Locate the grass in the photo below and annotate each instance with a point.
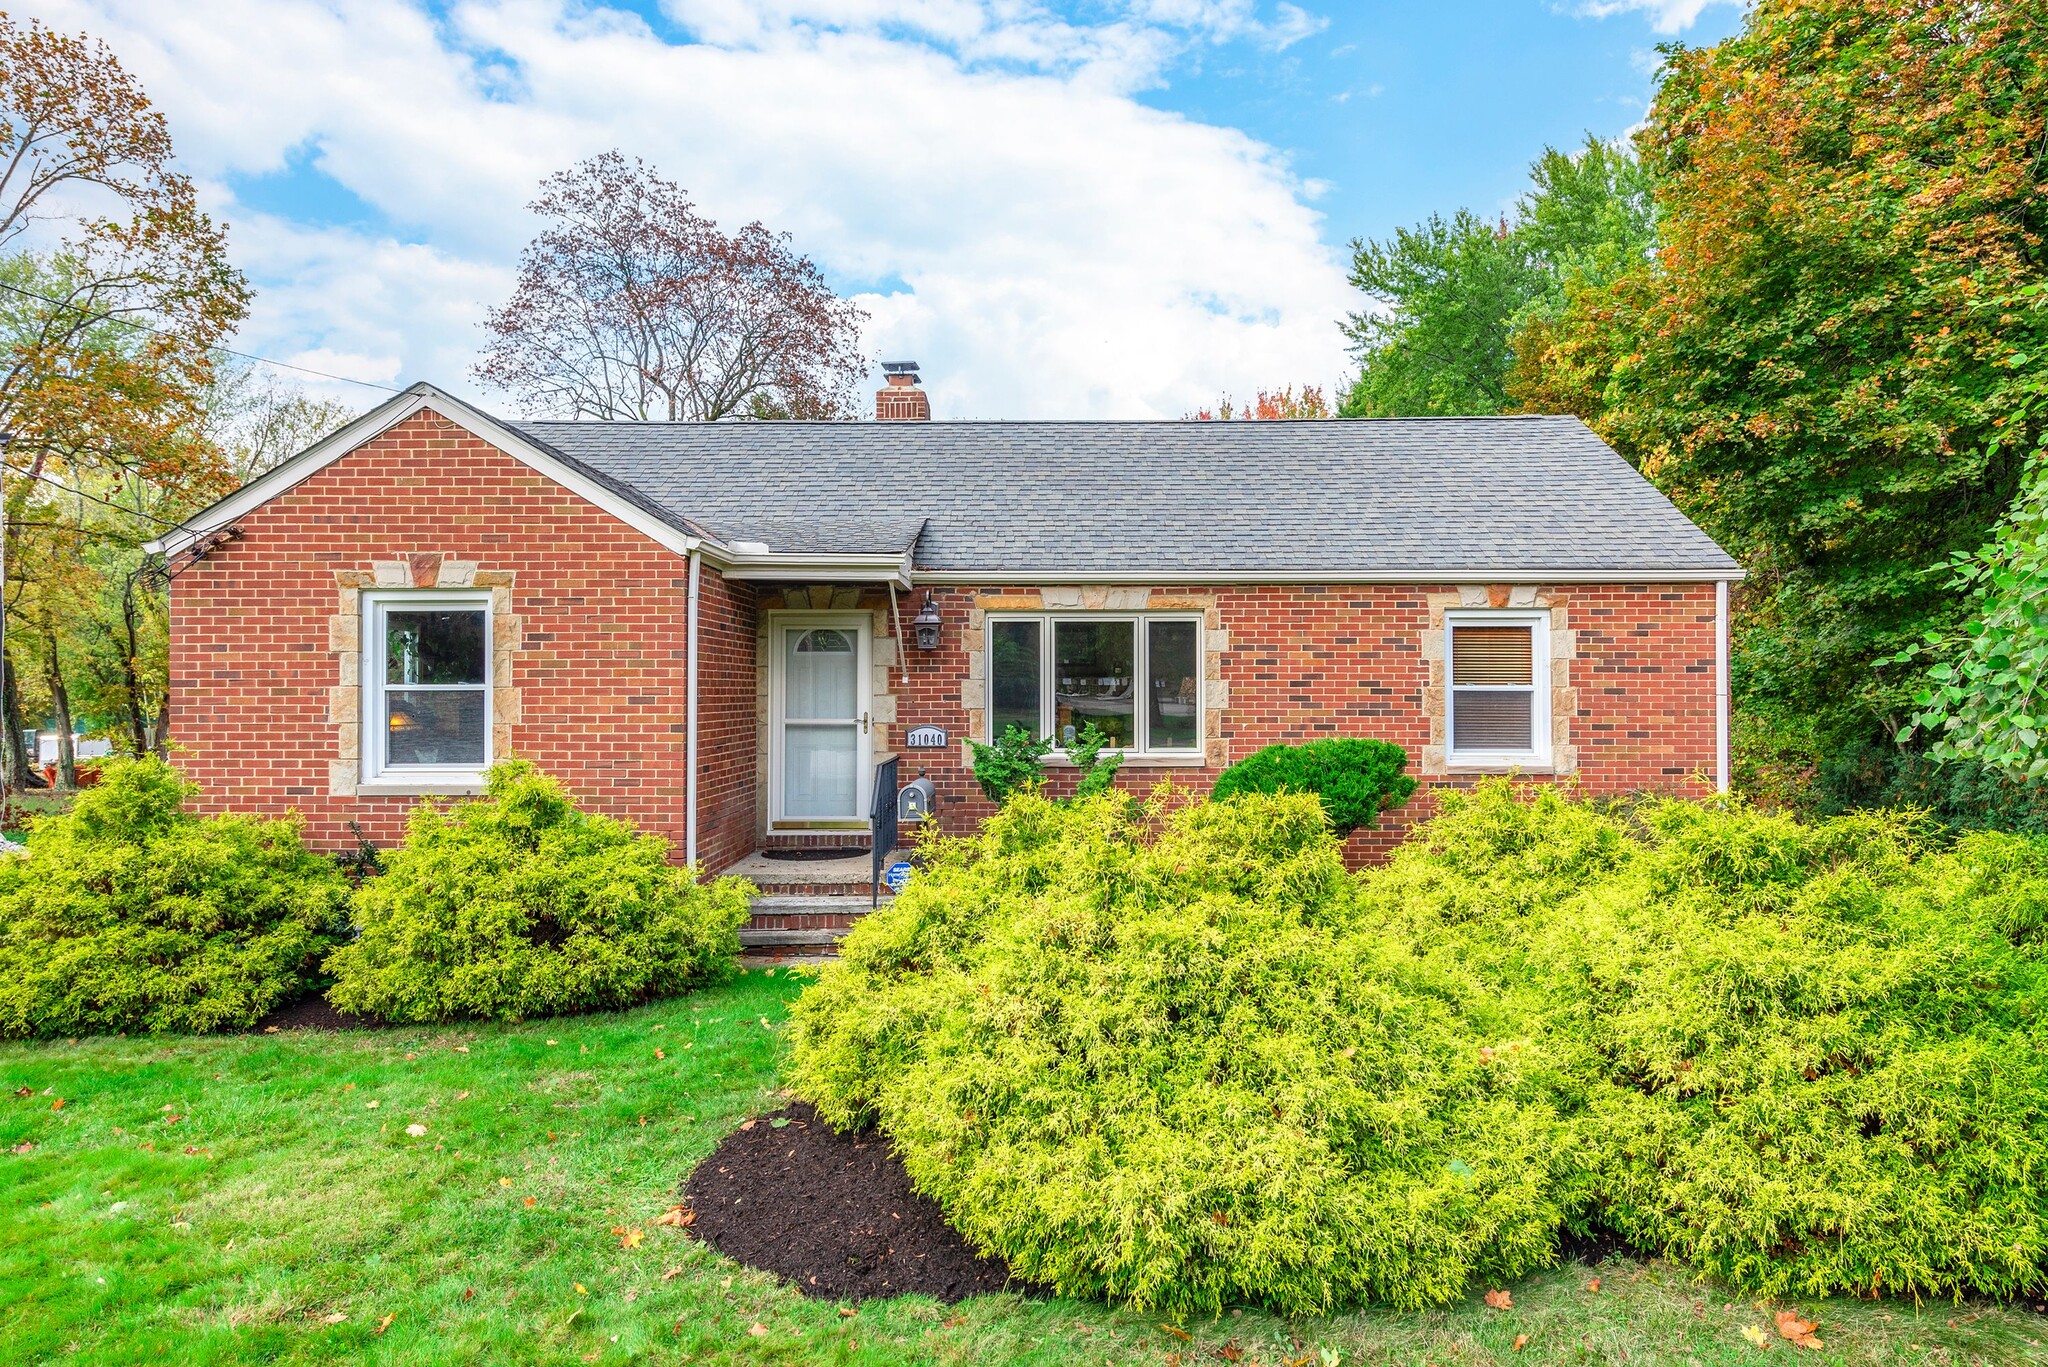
(285, 1215)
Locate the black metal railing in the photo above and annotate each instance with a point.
(882, 823)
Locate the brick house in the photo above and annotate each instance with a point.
(711, 628)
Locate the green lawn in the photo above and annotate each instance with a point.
(287, 1216)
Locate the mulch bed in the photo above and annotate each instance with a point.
(831, 1214)
(314, 1013)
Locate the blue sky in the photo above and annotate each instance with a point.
(1122, 207)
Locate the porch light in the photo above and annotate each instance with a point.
(927, 623)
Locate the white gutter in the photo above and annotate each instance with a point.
(1183, 575)
(690, 716)
(1721, 689)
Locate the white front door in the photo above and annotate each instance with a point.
(819, 771)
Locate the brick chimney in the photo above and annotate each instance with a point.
(900, 400)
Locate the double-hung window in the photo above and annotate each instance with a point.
(426, 687)
(1500, 688)
(1137, 678)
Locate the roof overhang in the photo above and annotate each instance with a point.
(389, 414)
(1710, 575)
(880, 567)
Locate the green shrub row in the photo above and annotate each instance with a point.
(129, 913)
(1181, 1059)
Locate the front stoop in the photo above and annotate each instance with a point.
(786, 927)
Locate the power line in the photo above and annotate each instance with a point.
(230, 351)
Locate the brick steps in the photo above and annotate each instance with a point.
(785, 925)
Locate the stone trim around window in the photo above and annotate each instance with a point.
(1101, 598)
(411, 570)
(1564, 649)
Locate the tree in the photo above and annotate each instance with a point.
(1448, 294)
(1819, 364)
(631, 304)
(1460, 301)
(1269, 405)
(114, 291)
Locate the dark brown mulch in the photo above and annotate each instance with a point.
(314, 1013)
(831, 1214)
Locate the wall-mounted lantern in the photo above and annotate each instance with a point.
(927, 623)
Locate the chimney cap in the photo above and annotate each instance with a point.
(901, 368)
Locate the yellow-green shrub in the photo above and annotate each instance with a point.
(129, 913)
(518, 904)
(1141, 1054)
(1801, 1058)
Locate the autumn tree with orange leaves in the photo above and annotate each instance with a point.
(1269, 405)
(631, 304)
(114, 292)
(1852, 195)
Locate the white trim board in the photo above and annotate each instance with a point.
(1174, 577)
(382, 419)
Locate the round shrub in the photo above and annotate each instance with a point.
(1804, 1059)
(1140, 1052)
(129, 913)
(1356, 779)
(518, 904)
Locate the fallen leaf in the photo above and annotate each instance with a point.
(504, 1181)
(746, 1124)
(672, 1273)
(1499, 1300)
(1486, 1053)
(463, 1048)
(725, 1285)
(335, 1317)
(385, 1323)
(779, 1122)
(1757, 1335)
(759, 1330)
(676, 1217)
(415, 1129)
(462, 1096)
(846, 1312)
(550, 1041)
(632, 1238)
(58, 1104)
(659, 1054)
(469, 1293)
(956, 1321)
(1521, 1342)
(1183, 1335)
(410, 1057)
(24, 1091)
(1230, 1352)
(1593, 1285)
(371, 1105)
(529, 1201)
(580, 1291)
(23, 1147)
(1797, 1330)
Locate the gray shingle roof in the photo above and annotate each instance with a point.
(1067, 499)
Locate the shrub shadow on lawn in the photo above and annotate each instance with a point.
(833, 1215)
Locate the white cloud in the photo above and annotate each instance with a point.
(1666, 16)
(1048, 245)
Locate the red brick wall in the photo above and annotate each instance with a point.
(1310, 662)
(726, 720)
(600, 667)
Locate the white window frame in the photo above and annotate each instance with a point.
(1141, 725)
(376, 607)
(1538, 756)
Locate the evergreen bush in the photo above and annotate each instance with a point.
(1356, 779)
(1176, 1057)
(518, 904)
(129, 913)
(1134, 1049)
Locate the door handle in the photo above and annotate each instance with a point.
(863, 723)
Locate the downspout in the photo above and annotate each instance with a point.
(690, 715)
(1721, 690)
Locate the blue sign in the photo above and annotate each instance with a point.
(897, 875)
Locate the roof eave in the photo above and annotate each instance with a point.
(1731, 574)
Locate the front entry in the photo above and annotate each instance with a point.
(820, 695)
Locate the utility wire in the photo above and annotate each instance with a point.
(245, 355)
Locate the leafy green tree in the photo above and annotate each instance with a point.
(1455, 296)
